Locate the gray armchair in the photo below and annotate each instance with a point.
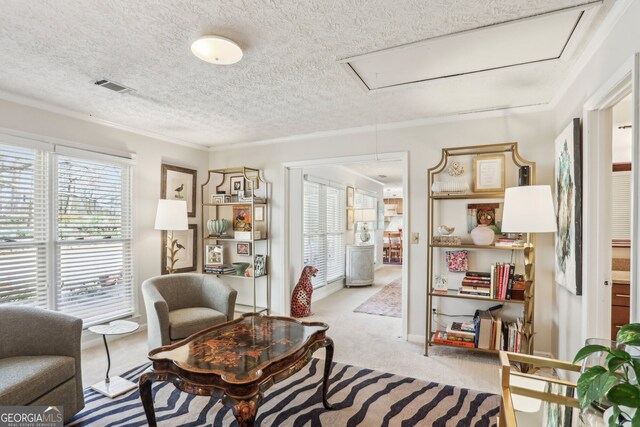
(40, 359)
(179, 305)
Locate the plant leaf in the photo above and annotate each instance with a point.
(591, 385)
(625, 394)
(613, 419)
(620, 354)
(635, 421)
(588, 350)
(629, 334)
(615, 363)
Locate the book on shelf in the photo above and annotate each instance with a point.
(219, 269)
(495, 333)
(464, 330)
(442, 337)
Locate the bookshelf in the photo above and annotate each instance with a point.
(522, 256)
(251, 197)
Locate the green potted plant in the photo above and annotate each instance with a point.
(615, 383)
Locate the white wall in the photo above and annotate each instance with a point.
(534, 132)
(150, 154)
(617, 48)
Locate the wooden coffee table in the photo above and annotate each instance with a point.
(238, 361)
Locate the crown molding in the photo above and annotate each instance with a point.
(29, 102)
(457, 117)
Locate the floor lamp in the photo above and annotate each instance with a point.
(171, 216)
(528, 209)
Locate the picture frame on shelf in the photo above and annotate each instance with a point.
(236, 183)
(568, 193)
(258, 213)
(260, 266)
(243, 248)
(227, 198)
(350, 197)
(242, 218)
(488, 174)
(187, 256)
(214, 255)
(178, 183)
(242, 196)
(217, 198)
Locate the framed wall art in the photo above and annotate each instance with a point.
(187, 255)
(350, 197)
(242, 218)
(488, 174)
(258, 213)
(568, 191)
(178, 183)
(350, 218)
(236, 183)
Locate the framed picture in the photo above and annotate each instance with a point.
(350, 197)
(260, 267)
(488, 174)
(258, 213)
(568, 191)
(243, 248)
(489, 214)
(350, 219)
(179, 184)
(242, 218)
(187, 255)
(236, 183)
(242, 197)
(217, 198)
(227, 198)
(214, 255)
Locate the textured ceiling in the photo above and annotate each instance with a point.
(289, 81)
(391, 170)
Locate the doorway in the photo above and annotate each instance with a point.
(358, 189)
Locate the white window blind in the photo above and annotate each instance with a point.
(23, 226)
(78, 259)
(93, 239)
(323, 231)
(621, 206)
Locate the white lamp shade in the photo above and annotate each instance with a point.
(528, 209)
(171, 215)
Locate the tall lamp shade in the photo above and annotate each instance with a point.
(528, 209)
(171, 215)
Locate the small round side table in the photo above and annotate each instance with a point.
(115, 386)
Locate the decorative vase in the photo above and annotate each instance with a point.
(217, 226)
(482, 235)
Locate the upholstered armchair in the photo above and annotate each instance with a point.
(40, 359)
(179, 305)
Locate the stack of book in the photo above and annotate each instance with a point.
(502, 280)
(219, 269)
(496, 333)
(476, 283)
(508, 243)
(455, 336)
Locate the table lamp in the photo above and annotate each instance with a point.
(529, 209)
(171, 216)
(364, 216)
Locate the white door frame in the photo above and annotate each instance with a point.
(596, 266)
(401, 156)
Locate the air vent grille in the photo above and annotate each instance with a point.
(111, 85)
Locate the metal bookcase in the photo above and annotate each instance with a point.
(255, 197)
(510, 150)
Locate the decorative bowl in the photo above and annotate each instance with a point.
(444, 230)
(240, 267)
(217, 226)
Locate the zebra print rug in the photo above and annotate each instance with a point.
(361, 397)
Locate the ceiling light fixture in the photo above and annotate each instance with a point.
(217, 50)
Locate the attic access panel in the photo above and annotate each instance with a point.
(524, 41)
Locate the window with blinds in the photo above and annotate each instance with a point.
(621, 205)
(323, 231)
(78, 259)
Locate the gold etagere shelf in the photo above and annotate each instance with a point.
(510, 150)
(255, 193)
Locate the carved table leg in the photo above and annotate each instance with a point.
(244, 410)
(147, 397)
(327, 369)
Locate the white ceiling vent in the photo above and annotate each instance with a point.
(523, 41)
(111, 85)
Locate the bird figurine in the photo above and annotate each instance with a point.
(179, 191)
(444, 230)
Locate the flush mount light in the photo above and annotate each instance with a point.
(217, 50)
